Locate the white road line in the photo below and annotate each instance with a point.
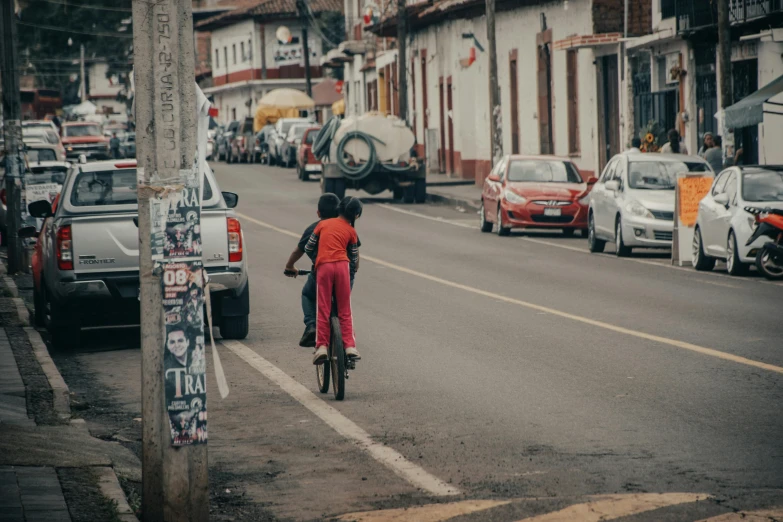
(390, 458)
(586, 320)
(584, 251)
(610, 507)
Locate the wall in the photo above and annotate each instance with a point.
(227, 37)
(770, 59)
(609, 16)
(102, 92)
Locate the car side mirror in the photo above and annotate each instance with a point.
(494, 177)
(613, 185)
(722, 199)
(27, 232)
(40, 209)
(231, 199)
(592, 180)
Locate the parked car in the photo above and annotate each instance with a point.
(633, 202)
(242, 143)
(128, 145)
(292, 142)
(282, 127)
(724, 226)
(534, 192)
(40, 124)
(306, 162)
(224, 141)
(87, 254)
(85, 138)
(261, 144)
(37, 152)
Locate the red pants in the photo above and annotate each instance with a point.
(334, 278)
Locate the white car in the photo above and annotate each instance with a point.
(632, 204)
(724, 226)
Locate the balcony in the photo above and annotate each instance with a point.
(692, 15)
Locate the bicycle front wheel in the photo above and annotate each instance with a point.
(337, 361)
(322, 372)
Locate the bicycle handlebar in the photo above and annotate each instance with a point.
(298, 272)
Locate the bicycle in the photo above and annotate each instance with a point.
(338, 363)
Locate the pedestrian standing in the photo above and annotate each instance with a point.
(674, 146)
(636, 145)
(708, 143)
(714, 155)
(114, 145)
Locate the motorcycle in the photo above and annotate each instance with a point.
(769, 259)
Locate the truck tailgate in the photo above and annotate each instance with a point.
(214, 238)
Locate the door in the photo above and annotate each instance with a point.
(599, 196)
(450, 115)
(711, 217)
(442, 149)
(514, 104)
(608, 109)
(615, 199)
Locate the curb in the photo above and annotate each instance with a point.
(111, 489)
(61, 395)
(8, 282)
(469, 204)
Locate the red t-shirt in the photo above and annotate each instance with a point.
(334, 237)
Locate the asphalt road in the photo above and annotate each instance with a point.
(520, 370)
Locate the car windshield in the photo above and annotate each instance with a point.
(764, 185)
(81, 130)
(111, 187)
(659, 175)
(299, 131)
(131, 137)
(36, 125)
(542, 171)
(36, 155)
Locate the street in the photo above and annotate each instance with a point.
(521, 371)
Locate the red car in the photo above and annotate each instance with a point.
(306, 163)
(84, 138)
(535, 192)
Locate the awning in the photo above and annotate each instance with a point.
(750, 110)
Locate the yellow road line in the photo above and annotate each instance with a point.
(586, 320)
(610, 507)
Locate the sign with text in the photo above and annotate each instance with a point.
(689, 191)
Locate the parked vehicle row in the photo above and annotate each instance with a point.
(632, 205)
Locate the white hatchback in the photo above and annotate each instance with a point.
(724, 226)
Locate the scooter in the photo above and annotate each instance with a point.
(769, 259)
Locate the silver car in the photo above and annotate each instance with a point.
(89, 254)
(632, 205)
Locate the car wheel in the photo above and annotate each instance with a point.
(234, 327)
(398, 193)
(568, 232)
(700, 260)
(486, 226)
(63, 337)
(594, 244)
(734, 266)
(304, 176)
(621, 250)
(501, 230)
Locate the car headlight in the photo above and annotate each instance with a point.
(513, 197)
(585, 200)
(70, 149)
(637, 209)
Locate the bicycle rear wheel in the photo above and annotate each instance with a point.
(337, 361)
(322, 372)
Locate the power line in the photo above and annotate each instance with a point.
(85, 6)
(71, 31)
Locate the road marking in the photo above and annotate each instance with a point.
(586, 320)
(610, 507)
(763, 515)
(415, 475)
(429, 513)
(582, 250)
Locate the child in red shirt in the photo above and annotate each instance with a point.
(338, 250)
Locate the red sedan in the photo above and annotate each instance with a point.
(535, 192)
(306, 162)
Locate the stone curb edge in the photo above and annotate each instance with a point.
(438, 197)
(61, 395)
(111, 489)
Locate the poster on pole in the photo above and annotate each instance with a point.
(689, 191)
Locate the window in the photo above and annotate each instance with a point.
(659, 175)
(113, 187)
(242, 50)
(233, 114)
(38, 155)
(225, 57)
(572, 101)
(217, 59)
(608, 172)
(762, 185)
(731, 187)
(249, 50)
(234, 52)
(619, 171)
(720, 183)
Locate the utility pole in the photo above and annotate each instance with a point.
(495, 113)
(174, 478)
(402, 59)
(81, 69)
(725, 80)
(302, 8)
(14, 158)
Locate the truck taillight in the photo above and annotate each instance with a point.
(234, 240)
(64, 248)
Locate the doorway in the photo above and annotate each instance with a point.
(442, 149)
(512, 72)
(608, 109)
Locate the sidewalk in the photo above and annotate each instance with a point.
(51, 469)
(453, 191)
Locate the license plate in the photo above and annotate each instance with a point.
(552, 211)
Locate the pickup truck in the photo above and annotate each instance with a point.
(86, 260)
(84, 138)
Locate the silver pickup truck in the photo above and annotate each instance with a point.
(86, 263)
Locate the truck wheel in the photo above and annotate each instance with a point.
(409, 194)
(339, 187)
(398, 192)
(420, 190)
(234, 327)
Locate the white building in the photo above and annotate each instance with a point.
(102, 90)
(248, 60)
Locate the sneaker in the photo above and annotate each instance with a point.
(308, 337)
(321, 355)
(352, 353)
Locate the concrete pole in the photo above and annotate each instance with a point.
(724, 54)
(14, 158)
(174, 479)
(81, 69)
(402, 60)
(495, 112)
(302, 8)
